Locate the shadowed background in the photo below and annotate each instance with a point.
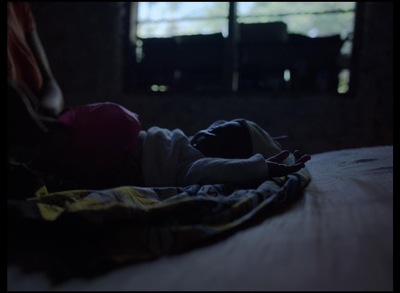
(87, 46)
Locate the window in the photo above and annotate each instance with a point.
(314, 19)
(310, 19)
(166, 19)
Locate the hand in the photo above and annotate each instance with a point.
(276, 168)
(51, 99)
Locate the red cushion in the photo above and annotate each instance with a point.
(102, 134)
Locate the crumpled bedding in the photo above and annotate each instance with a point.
(84, 230)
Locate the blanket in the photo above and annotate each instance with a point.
(88, 229)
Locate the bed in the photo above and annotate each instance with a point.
(331, 228)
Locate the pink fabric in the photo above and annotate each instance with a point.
(102, 134)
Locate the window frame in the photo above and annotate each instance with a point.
(232, 35)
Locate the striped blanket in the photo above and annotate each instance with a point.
(88, 228)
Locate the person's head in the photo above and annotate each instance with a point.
(224, 139)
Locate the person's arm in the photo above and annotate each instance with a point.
(51, 100)
(25, 126)
(244, 171)
(210, 170)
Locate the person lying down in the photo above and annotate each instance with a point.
(106, 147)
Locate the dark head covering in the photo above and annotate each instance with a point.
(238, 138)
(224, 139)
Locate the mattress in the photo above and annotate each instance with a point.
(338, 236)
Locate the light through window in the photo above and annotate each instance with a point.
(313, 19)
(167, 19)
(310, 19)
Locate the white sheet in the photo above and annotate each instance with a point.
(339, 236)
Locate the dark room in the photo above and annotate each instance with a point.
(304, 93)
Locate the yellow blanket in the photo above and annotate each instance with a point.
(129, 224)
